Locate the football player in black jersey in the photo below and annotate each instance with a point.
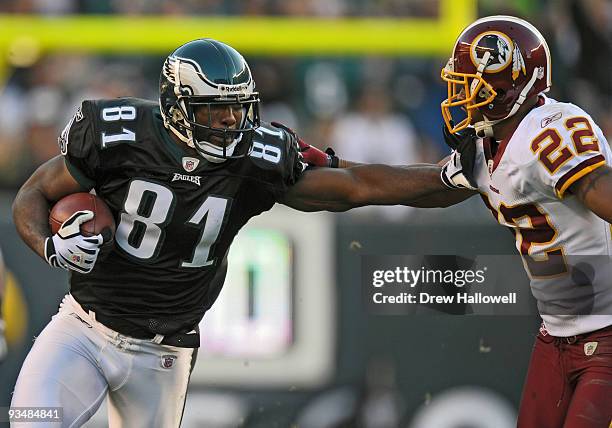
(181, 176)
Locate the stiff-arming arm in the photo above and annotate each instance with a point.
(353, 185)
(330, 189)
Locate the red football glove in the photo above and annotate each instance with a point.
(312, 155)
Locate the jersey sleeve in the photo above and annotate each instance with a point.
(77, 145)
(276, 154)
(294, 165)
(563, 153)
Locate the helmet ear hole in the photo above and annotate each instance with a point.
(176, 113)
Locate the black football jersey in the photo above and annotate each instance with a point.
(177, 214)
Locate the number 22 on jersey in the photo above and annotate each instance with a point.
(532, 228)
(148, 209)
(554, 155)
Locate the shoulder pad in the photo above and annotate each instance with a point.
(275, 157)
(272, 144)
(271, 134)
(120, 120)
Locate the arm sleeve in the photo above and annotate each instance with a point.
(275, 165)
(292, 165)
(77, 145)
(295, 164)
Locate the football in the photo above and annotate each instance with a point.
(103, 221)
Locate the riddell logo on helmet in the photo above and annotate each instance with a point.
(233, 88)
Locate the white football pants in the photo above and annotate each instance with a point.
(76, 362)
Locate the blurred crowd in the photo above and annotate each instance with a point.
(370, 109)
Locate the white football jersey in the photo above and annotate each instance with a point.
(565, 248)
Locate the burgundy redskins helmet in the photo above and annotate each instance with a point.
(497, 63)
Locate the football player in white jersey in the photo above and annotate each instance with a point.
(543, 169)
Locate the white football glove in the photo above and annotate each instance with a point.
(70, 250)
(452, 173)
(458, 173)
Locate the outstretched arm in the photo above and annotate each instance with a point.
(330, 189)
(341, 185)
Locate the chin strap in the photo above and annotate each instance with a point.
(484, 128)
(481, 66)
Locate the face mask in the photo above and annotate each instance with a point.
(208, 150)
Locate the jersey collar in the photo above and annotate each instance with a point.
(174, 149)
(501, 148)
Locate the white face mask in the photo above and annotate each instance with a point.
(207, 150)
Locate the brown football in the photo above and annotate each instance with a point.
(68, 205)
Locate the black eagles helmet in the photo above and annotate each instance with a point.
(207, 72)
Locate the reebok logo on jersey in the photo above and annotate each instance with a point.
(550, 119)
(184, 177)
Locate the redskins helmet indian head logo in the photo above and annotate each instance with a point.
(499, 46)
